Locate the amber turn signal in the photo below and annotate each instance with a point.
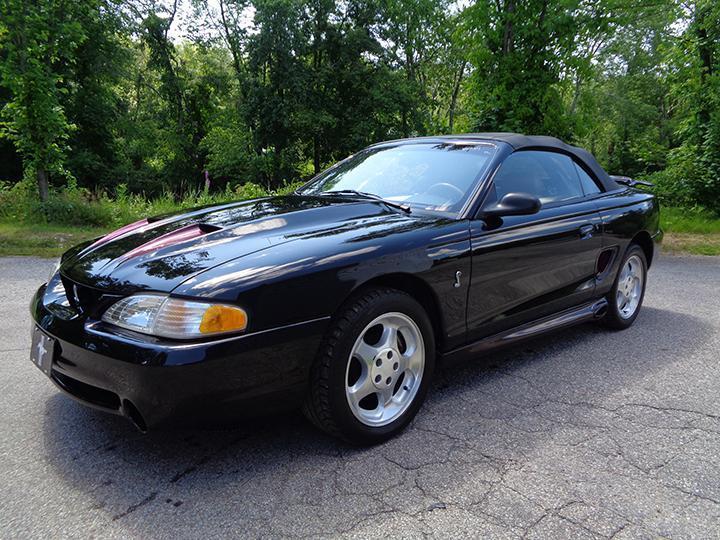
(223, 319)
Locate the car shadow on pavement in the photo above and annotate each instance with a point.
(487, 414)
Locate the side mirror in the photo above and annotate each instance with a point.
(513, 204)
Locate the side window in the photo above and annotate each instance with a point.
(588, 184)
(548, 175)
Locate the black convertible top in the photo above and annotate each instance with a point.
(539, 142)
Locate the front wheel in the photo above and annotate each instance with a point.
(626, 296)
(373, 369)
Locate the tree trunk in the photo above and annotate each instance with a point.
(508, 38)
(706, 64)
(232, 45)
(42, 183)
(576, 94)
(316, 154)
(454, 98)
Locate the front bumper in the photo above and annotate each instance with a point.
(158, 383)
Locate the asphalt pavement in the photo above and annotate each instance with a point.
(583, 434)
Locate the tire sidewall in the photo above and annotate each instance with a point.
(615, 319)
(349, 425)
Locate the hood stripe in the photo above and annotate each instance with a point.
(173, 237)
(117, 233)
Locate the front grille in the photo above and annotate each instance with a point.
(87, 300)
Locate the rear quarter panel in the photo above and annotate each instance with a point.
(626, 214)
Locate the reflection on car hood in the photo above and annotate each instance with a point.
(160, 254)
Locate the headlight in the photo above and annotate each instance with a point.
(163, 316)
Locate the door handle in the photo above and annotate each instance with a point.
(586, 231)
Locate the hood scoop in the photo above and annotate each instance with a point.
(183, 234)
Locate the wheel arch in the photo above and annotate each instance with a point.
(644, 240)
(416, 287)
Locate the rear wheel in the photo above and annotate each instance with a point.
(626, 296)
(373, 369)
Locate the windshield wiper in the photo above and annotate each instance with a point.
(365, 195)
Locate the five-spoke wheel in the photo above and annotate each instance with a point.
(626, 296)
(385, 369)
(630, 286)
(373, 370)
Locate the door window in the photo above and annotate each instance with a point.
(550, 176)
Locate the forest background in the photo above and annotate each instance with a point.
(114, 110)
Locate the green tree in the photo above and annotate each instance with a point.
(91, 100)
(517, 59)
(170, 101)
(147, 95)
(696, 89)
(277, 87)
(39, 39)
(622, 114)
(418, 44)
(351, 97)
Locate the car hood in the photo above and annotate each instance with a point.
(159, 254)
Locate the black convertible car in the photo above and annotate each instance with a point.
(343, 296)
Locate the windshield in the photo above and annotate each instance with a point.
(430, 176)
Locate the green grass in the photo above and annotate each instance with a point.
(695, 244)
(43, 240)
(684, 220)
(690, 230)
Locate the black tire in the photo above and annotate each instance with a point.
(614, 318)
(326, 405)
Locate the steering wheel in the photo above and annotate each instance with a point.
(457, 193)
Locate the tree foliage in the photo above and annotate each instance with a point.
(155, 96)
(39, 41)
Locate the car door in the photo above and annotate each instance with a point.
(526, 267)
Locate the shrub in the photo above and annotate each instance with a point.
(18, 202)
(288, 188)
(687, 181)
(76, 206)
(71, 208)
(671, 190)
(249, 190)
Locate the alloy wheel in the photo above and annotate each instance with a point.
(385, 369)
(630, 287)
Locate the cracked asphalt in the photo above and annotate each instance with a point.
(583, 434)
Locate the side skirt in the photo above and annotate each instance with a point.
(563, 319)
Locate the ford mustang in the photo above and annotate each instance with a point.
(342, 297)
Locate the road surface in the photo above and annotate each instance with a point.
(588, 433)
